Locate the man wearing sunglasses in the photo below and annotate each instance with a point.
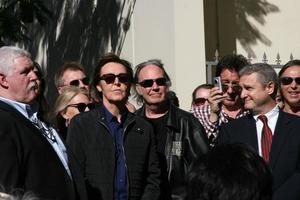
(116, 148)
(289, 77)
(274, 134)
(180, 137)
(71, 74)
(223, 105)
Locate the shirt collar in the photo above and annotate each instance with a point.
(110, 117)
(21, 107)
(272, 113)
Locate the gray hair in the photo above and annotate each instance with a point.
(265, 73)
(139, 67)
(8, 54)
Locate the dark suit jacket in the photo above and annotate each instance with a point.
(29, 162)
(284, 155)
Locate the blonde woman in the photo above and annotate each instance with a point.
(70, 102)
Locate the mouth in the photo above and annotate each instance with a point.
(294, 93)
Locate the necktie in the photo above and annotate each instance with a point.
(47, 132)
(266, 138)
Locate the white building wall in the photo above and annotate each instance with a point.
(282, 28)
(173, 31)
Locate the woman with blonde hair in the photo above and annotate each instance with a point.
(70, 102)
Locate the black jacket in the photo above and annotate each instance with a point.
(93, 147)
(185, 141)
(29, 162)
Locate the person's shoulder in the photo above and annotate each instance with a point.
(289, 117)
(239, 121)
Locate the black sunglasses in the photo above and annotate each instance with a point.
(110, 78)
(76, 82)
(200, 101)
(235, 88)
(149, 82)
(289, 80)
(82, 106)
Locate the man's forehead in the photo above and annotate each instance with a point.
(71, 73)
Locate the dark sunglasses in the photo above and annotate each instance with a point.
(235, 88)
(200, 101)
(149, 82)
(82, 106)
(110, 78)
(289, 80)
(76, 82)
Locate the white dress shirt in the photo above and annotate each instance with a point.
(272, 117)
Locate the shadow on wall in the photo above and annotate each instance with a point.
(247, 33)
(79, 31)
(228, 21)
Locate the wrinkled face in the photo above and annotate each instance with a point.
(73, 107)
(255, 95)
(114, 83)
(230, 79)
(289, 87)
(21, 81)
(75, 78)
(156, 92)
(201, 97)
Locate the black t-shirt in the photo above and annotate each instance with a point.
(160, 130)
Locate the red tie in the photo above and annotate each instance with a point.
(266, 138)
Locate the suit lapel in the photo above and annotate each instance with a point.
(251, 132)
(281, 134)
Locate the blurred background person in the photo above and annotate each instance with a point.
(230, 172)
(289, 76)
(200, 95)
(71, 74)
(70, 102)
(279, 100)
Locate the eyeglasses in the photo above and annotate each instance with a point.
(149, 82)
(76, 82)
(110, 78)
(289, 80)
(235, 88)
(82, 106)
(200, 101)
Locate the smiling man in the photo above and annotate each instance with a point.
(273, 133)
(180, 137)
(290, 86)
(115, 148)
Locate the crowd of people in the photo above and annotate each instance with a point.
(236, 142)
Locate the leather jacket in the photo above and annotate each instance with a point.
(185, 141)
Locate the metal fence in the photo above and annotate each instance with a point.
(210, 65)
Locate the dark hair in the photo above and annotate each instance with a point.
(172, 97)
(232, 62)
(44, 110)
(73, 66)
(230, 172)
(287, 65)
(138, 69)
(108, 58)
(204, 86)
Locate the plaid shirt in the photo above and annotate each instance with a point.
(202, 113)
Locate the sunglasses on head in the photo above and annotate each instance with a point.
(82, 106)
(110, 78)
(76, 82)
(235, 88)
(289, 80)
(200, 101)
(149, 82)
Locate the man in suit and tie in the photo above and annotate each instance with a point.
(32, 156)
(274, 134)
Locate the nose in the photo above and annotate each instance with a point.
(243, 94)
(294, 84)
(229, 90)
(155, 86)
(33, 75)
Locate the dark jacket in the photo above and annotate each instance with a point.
(185, 141)
(29, 162)
(93, 146)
